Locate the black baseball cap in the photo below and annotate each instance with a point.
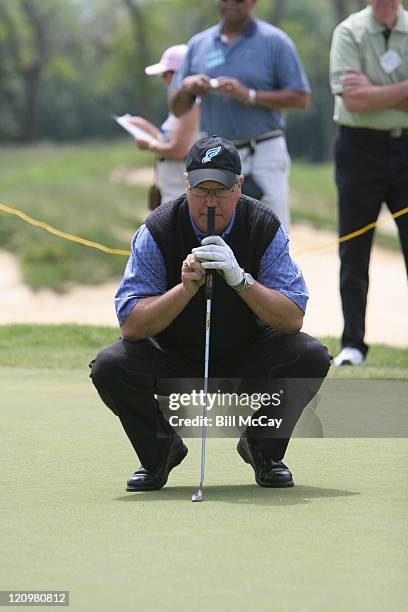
(213, 159)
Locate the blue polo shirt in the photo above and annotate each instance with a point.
(263, 57)
(145, 273)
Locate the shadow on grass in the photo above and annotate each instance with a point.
(240, 494)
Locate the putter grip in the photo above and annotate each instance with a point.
(209, 275)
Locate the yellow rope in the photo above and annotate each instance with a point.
(105, 249)
(352, 235)
(56, 232)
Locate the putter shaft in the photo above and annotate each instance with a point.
(198, 496)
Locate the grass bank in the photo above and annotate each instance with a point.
(70, 187)
(72, 347)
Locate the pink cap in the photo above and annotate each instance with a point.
(170, 60)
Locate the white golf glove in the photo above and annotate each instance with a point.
(215, 254)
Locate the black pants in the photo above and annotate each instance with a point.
(128, 374)
(371, 168)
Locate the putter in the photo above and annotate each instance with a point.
(198, 495)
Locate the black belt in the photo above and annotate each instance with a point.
(376, 134)
(241, 144)
(162, 159)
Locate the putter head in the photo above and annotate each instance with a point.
(197, 496)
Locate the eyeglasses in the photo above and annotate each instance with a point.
(237, 1)
(219, 192)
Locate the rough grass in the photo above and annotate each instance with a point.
(313, 199)
(73, 346)
(69, 187)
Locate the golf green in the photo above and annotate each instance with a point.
(336, 541)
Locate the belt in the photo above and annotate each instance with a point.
(384, 134)
(241, 144)
(163, 159)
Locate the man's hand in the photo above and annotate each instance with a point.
(215, 254)
(402, 106)
(354, 79)
(142, 144)
(192, 275)
(139, 121)
(361, 96)
(233, 87)
(198, 84)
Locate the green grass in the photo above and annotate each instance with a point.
(314, 197)
(52, 346)
(69, 187)
(72, 347)
(67, 523)
(335, 541)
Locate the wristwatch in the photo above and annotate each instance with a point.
(251, 100)
(246, 283)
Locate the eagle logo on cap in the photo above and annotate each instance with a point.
(210, 154)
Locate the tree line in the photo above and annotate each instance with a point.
(67, 65)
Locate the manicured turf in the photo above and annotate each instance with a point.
(336, 541)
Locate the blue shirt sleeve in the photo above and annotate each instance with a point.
(145, 273)
(144, 276)
(290, 73)
(279, 271)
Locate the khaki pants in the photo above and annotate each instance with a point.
(169, 176)
(270, 167)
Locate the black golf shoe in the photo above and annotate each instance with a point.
(268, 473)
(146, 480)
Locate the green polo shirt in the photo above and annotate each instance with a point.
(358, 42)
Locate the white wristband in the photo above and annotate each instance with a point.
(251, 100)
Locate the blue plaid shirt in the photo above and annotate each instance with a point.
(145, 273)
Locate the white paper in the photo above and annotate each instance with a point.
(137, 132)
